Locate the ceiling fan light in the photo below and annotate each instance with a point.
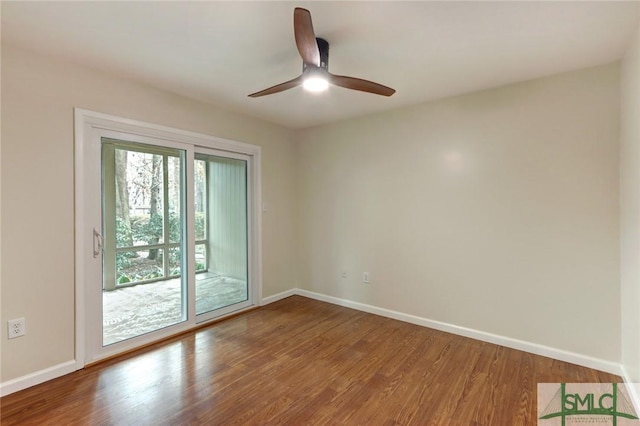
(315, 84)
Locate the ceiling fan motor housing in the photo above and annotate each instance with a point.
(323, 48)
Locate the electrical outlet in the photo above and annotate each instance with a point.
(365, 277)
(16, 328)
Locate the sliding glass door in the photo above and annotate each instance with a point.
(167, 233)
(143, 202)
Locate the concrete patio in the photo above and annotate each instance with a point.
(132, 311)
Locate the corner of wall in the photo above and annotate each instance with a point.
(630, 217)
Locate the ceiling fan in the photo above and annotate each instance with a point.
(315, 75)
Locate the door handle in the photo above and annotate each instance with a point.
(97, 243)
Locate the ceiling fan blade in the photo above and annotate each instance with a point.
(278, 87)
(305, 37)
(361, 85)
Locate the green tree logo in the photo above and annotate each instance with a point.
(590, 402)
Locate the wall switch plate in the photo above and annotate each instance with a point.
(365, 277)
(16, 328)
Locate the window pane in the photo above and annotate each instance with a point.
(143, 204)
(224, 250)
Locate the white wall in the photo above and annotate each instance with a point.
(496, 211)
(630, 209)
(38, 96)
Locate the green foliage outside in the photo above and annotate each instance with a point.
(143, 229)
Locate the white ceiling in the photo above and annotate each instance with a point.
(219, 52)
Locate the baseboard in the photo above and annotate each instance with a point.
(633, 388)
(279, 296)
(32, 379)
(534, 348)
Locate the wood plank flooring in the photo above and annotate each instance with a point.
(299, 362)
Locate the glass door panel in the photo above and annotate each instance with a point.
(221, 259)
(143, 289)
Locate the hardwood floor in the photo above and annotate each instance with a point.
(299, 361)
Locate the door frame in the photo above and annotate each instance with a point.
(88, 124)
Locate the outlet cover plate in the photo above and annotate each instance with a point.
(16, 328)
